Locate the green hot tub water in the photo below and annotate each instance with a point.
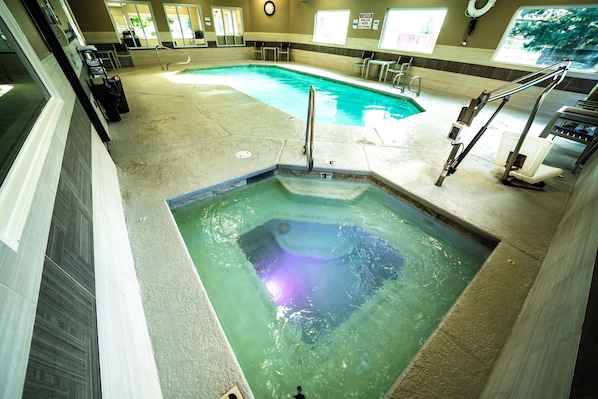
(333, 285)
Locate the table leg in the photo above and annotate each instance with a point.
(381, 72)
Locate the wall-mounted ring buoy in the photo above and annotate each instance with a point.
(474, 12)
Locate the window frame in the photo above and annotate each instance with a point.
(200, 18)
(216, 21)
(387, 21)
(496, 57)
(319, 37)
(119, 35)
(18, 189)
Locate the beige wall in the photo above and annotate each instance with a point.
(297, 17)
(28, 28)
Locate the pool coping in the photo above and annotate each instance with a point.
(430, 209)
(445, 341)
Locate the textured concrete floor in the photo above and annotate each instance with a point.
(181, 136)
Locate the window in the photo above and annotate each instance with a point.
(185, 24)
(331, 26)
(543, 36)
(134, 23)
(414, 30)
(228, 25)
(30, 109)
(22, 98)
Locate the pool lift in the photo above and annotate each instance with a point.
(556, 72)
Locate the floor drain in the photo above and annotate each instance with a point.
(243, 154)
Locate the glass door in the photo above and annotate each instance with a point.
(185, 24)
(228, 24)
(134, 23)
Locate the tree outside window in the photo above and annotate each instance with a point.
(544, 36)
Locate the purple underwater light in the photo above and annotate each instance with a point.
(318, 274)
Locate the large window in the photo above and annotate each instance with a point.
(543, 36)
(30, 108)
(22, 98)
(413, 30)
(134, 23)
(185, 24)
(228, 25)
(331, 26)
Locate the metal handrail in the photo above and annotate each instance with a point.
(308, 149)
(165, 68)
(419, 84)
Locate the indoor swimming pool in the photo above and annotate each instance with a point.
(333, 285)
(288, 91)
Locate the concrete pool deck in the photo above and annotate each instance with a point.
(182, 137)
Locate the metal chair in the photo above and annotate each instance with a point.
(401, 73)
(362, 62)
(123, 52)
(107, 54)
(285, 49)
(258, 49)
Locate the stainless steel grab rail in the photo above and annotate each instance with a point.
(165, 68)
(308, 149)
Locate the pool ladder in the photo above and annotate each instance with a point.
(308, 149)
(399, 83)
(165, 66)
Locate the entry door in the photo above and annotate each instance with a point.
(228, 24)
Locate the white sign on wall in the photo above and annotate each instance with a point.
(365, 20)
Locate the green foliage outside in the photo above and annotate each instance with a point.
(570, 28)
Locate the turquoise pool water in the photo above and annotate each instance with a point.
(331, 285)
(288, 91)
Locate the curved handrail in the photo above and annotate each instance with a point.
(419, 84)
(165, 68)
(308, 149)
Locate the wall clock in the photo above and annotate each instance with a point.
(269, 8)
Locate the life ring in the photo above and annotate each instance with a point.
(474, 12)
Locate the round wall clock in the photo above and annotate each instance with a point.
(269, 8)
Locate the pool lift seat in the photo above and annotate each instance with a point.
(528, 166)
(555, 74)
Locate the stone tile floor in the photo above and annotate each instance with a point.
(182, 136)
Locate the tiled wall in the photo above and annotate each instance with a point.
(70, 307)
(63, 360)
(21, 271)
(550, 324)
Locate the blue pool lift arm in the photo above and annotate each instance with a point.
(556, 72)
